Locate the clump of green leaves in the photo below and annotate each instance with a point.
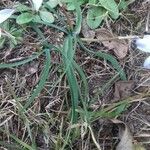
(36, 13)
(12, 35)
(8, 34)
(98, 10)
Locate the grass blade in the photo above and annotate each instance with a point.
(16, 64)
(43, 78)
(25, 145)
(77, 28)
(108, 57)
(68, 54)
(85, 89)
(114, 63)
(44, 40)
(10, 146)
(52, 25)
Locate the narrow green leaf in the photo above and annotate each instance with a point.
(111, 111)
(78, 18)
(84, 89)
(11, 65)
(109, 58)
(2, 41)
(114, 63)
(47, 16)
(18, 140)
(52, 25)
(10, 146)
(68, 54)
(43, 78)
(95, 16)
(24, 18)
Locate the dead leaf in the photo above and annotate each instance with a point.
(123, 89)
(86, 31)
(120, 47)
(32, 68)
(124, 135)
(103, 34)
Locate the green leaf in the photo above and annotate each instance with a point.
(107, 57)
(25, 145)
(20, 7)
(68, 56)
(52, 3)
(111, 7)
(66, 1)
(95, 16)
(37, 19)
(70, 3)
(2, 41)
(78, 18)
(43, 77)
(24, 18)
(47, 16)
(92, 2)
(16, 64)
(119, 109)
(70, 6)
(113, 62)
(122, 5)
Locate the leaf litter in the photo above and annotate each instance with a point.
(86, 31)
(126, 138)
(124, 89)
(120, 47)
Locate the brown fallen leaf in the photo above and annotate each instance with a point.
(86, 31)
(102, 34)
(120, 47)
(123, 89)
(124, 136)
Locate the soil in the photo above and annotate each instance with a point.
(22, 80)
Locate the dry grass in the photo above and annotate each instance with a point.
(46, 124)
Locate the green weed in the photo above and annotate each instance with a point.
(79, 118)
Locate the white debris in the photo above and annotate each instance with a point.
(37, 4)
(5, 14)
(143, 44)
(147, 63)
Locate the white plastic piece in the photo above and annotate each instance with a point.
(37, 4)
(5, 14)
(146, 64)
(143, 44)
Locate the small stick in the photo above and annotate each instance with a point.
(147, 22)
(109, 39)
